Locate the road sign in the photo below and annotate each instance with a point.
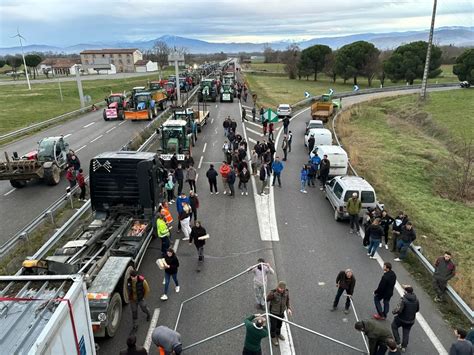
(270, 116)
(356, 88)
(307, 94)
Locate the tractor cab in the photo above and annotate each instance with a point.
(155, 85)
(115, 100)
(175, 139)
(137, 89)
(141, 100)
(53, 149)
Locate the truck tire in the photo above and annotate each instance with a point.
(52, 175)
(150, 114)
(18, 184)
(104, 115)
(123, 286)
(114, 315)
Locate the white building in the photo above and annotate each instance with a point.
(143, 66)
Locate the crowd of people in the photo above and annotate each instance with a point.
(75, 174)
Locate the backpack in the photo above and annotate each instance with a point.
(169, 185)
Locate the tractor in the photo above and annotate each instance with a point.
(158, 93)
(175, 140)
(115, 107)
(142, 107)
(208, 90)
(45, 163)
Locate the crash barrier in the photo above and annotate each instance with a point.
(49, 213)
(458, 301)
(48, 122)
(267, 316)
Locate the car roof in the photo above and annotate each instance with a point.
(354, 182)
(319, 131)
(331, 149)
(284, 105)
(174, 123)
(315, 121)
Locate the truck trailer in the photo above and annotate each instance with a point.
(125, 190)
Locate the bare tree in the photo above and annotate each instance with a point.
(161, 51)
(290, 58)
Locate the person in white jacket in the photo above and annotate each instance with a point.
(260, 278)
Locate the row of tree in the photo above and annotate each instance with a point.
(361, 58)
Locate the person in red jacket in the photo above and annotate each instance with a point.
(82, 185)
(224, 171)
(71, 177)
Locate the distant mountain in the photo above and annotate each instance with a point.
(458, 36)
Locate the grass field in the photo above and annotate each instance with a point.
(273, 90)
(23, 107)
(401, 154)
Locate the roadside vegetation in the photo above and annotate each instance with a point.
(23, 107)
(420, 160)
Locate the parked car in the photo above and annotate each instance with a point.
(337, 157)
(322, 136)
(341, 188)
(284, 110)
(313, 124)
(465, 84)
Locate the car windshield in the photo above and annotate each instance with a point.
(46, 149)
(172, 133)
(141, 98)
(155, 86)
(284, 107)
(115, 99)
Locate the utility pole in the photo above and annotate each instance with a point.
(424, 82)
(23, 55)
(176, 56)
(79, 86)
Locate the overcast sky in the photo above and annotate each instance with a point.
(63, 23)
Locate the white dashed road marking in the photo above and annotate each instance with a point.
(204, 148)
(88, 125)
(153, 323)
(81, 148)
(9, 192)
(200, 161)
(67, 135)
(99, 137)
(253, 131)
(122, 123)
(110, 130)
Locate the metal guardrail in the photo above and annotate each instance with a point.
(458, 301)
(64, 199)
(47, 122)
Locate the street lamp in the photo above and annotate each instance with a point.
(424, 82)
(23, 55)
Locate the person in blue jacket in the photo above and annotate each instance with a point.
(277, 168)
(304, 178)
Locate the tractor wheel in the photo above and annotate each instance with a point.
(104, 115)
(18, 184)
(155, 111)
(52, 175)
(150, 114)
(114, 315)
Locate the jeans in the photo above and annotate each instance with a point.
(339, 293)
(285, 154)
(264, 184)
(403, 248)
(170, 194)
(167, 280)
(243, 186)
(225, 183)
(213, 185)
(165, 244)
(276, 176)
(324, 178)
(180, 186)
(275, 325)
(232, 189)
(134, 307)
(373, 245)
(394, 241)
(303, 185)
(440, 287)
(386, 305)
(200, 251)
(285, 129)
(259, 295)
(354, 222)
(192, 185)
(397, 323)
(82, 196)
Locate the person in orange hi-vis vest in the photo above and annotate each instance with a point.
(165, 212)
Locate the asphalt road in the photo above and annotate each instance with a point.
(308, 250)
(87, 135)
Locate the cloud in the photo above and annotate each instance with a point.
(59, 22)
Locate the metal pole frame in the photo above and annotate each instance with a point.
(424, 82)
(267, 315)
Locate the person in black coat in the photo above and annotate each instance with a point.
(171, 271)
(211, 175)
(345, 281)
(385, 221)
(198, 231)
(384, 291)
(405, 315)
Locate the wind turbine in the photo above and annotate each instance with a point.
(20, 37)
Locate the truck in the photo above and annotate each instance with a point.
(116, 104)
(125, 190)
(207, 90)
(191, 115)
(158, 93)
(142, 107)
(322, 111)
(45, 314)
(175, 139)
(45, 163)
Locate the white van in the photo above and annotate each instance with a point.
(322, 136)
(337, 157)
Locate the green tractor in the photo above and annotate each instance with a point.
(207, 90)
(175, 140)
(227, 93)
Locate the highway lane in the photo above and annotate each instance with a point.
(88, 135)
(235, 244)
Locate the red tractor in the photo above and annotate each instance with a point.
(116, 104)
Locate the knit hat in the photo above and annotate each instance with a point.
(282, 284)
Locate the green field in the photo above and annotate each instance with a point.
(23, 107)
(275, 89)
(402, 149)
